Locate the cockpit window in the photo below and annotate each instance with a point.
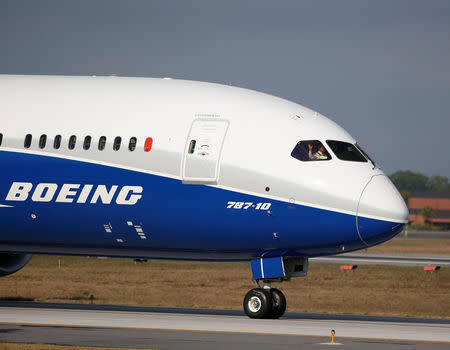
(365, 154)
(311, 150)
(346, 151)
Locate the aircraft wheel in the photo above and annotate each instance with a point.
(278, 303)
(258, 303)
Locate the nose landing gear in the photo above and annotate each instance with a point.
(265, 302)
(278, 303)
(258, 303)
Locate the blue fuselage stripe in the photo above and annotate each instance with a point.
(171, 220)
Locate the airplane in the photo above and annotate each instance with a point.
(160, 168)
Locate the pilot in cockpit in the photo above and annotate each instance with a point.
(319, 155)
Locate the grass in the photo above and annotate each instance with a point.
(413, 246)
(21, 346)
(427, 227)
(371, 290)
(16, 298)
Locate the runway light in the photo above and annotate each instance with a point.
(431, 268)
(333, 333)
(349, 267)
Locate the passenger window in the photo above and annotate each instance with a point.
(148, 144)
(132, 144)
(346, 151)
(117, 142)
(28, 139)
(42, 141)
(102, 143)
(57, 142)
(72, 141)
(1, 138)
(87, 143)
(311, 150)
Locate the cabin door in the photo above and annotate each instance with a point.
(201, 161)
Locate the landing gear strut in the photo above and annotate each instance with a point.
(265, 302)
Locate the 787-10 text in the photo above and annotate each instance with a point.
(248, 205)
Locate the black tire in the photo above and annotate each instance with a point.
(258, 303)
(278, 303)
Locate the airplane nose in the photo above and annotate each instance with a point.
(382, 212)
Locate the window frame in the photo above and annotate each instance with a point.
(148, 144)
(57, 142)
(191, 148)
(132, 146)
(297, 153)
(72, 142)
(338, 156)
(102, 143)
(365, 154)
(87, 142)
(28, 141)
(117, 143)
(42, 141)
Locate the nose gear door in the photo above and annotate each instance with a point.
(202, 152)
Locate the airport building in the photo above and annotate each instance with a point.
(438, 201)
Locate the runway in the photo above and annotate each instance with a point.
(166, 328)
(425, 234)
(386, 259)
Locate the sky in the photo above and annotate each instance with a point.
(380, 69)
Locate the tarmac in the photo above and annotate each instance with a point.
(175, 328)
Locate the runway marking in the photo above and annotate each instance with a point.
(378, 330)
(422, 324)
(217, 332)
(316, 321)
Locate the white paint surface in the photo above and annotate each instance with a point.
(235, 324)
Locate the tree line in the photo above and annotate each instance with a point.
(408, 181)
